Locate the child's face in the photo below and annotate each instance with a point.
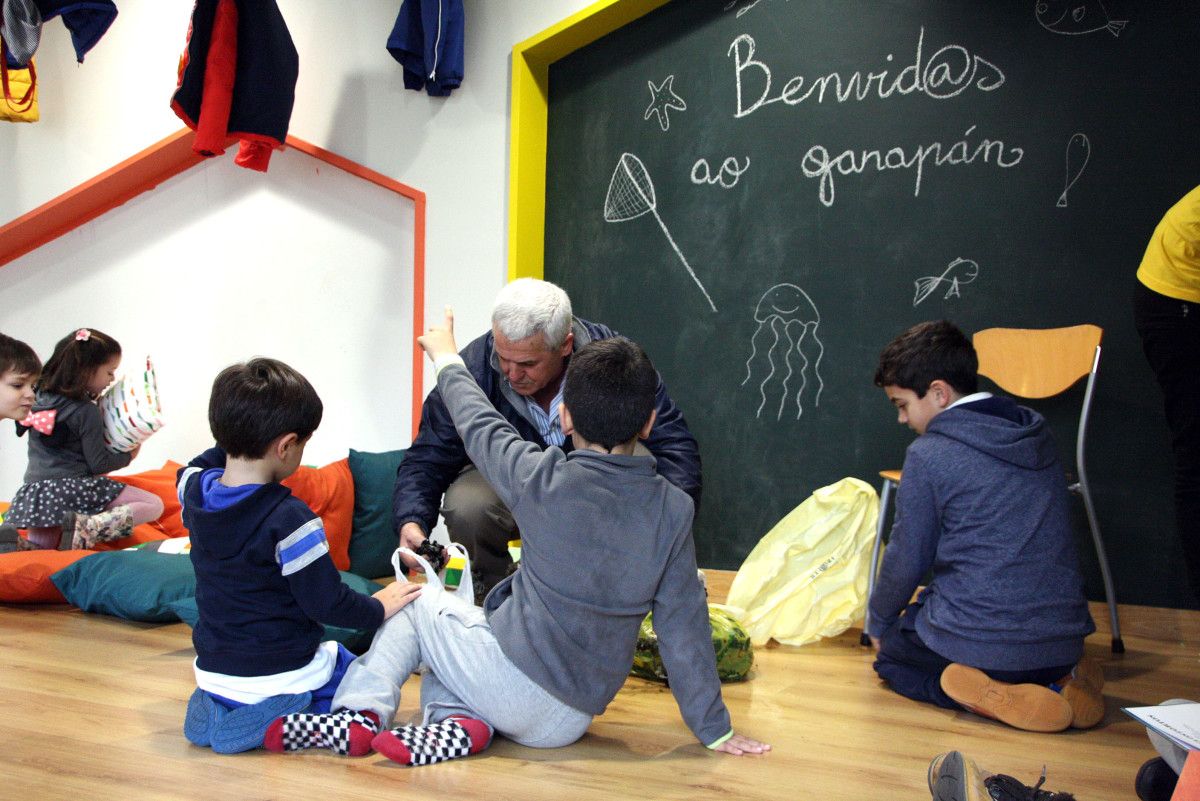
(104, 375)
(16, 394)
(913, 411)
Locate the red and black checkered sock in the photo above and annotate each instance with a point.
(344, 732)
(456, 736)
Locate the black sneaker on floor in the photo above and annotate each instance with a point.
(1005, 788)
(1155, 781)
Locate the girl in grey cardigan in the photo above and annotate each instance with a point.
(65, 492)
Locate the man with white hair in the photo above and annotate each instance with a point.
(520, 365)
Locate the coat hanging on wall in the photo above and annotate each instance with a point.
(427, 40)
(87, 21)
(21, 27)
(237, 79)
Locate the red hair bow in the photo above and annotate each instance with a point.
(41, 422)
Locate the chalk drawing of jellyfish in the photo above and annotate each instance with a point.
(663, 97)
(961, 271)
(1079, 150)
(1075, 17)
(630, 195)
(788, 313)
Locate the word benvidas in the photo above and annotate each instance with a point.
(947, 73)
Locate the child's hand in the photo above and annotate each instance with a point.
(740, 745)
(875, 643)
(439, 340)
(396, 596)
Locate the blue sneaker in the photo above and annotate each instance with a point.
(203, 713)
(242, 729)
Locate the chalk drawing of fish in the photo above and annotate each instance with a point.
(960, 272)
(1075, 17)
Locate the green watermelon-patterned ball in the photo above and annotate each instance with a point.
(735, 656)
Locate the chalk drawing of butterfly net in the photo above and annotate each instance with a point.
(630, 195)
(791, 319)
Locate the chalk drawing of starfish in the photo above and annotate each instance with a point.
(663, 97)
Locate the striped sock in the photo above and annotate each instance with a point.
(457, 736)
(344, 732)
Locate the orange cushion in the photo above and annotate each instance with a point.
(25, 575)
(161, 482)
(329, 491)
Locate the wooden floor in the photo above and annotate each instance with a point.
(91, 707)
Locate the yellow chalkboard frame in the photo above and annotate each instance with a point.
(531, 60)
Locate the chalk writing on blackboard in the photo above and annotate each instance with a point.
(1079, 150)
(950, 71)
(818, 163)
(1075, 17)
(663, 97)
(630, 195)
(749, 5)
(788, 313)
(960, 271)
(726, 177)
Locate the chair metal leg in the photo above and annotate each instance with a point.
(1118, 645)
(1085, 492)
(885, 496)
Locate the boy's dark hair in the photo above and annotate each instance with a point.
(17, 357)
(255, 402)
(609, 390)
(76, 357)
(926, 352)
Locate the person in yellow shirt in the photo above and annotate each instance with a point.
(1166, 309)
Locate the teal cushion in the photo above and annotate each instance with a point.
(355, 641)
(134, 585)
(372, 537)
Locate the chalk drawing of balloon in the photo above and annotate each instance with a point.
(630, 195)
(1079, 150)
(789, 316)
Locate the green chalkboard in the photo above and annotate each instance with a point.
(764, 193)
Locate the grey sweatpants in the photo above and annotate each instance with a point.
(466, 674)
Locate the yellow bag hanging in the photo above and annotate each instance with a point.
(19, 103)
(807, 578)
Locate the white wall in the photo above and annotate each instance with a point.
(349, 99)
(314, 267)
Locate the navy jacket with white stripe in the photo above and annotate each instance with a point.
(264, 579)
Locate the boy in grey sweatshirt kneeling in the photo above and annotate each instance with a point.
(605, 540)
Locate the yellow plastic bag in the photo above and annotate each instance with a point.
(807, 578)
(18, 92)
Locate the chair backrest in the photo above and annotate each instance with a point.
(1037, 363)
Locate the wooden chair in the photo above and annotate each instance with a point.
(1034, 363)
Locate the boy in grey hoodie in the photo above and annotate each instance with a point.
(999, 629)
(605, 540)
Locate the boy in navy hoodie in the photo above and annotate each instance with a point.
(999, 629)
(264, 579)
